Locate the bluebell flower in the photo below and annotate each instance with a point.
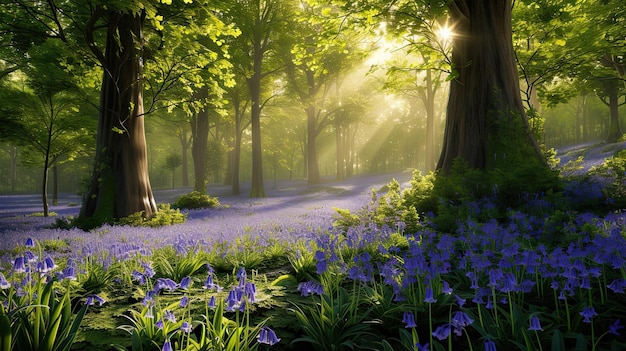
(267, 336)
(169, 316)
(211, 303)
(186, 327)
(425, 347)
(4, 284)
(139, 277)
(159, 324)
(409, 320)
(165, 284)
(184, 301)
(446, 289)
(69, 273)
(535, 324)
(209, 284)
(429, 298)
(442, 332)
(148, 299)
(30, 242)
(29, 257)
(310, 287)
(93, 298)
(459, 321)
(615, 327)
(242, 276)
(459, 300)
(185, 283)
(617, 285)
(167, 346)
(250, 291)
(148, 271)
(18, 265)
(588, 313)
(490, 345)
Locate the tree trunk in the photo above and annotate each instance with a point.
(120, 185)
(429, 103)
(200, 135)
(615, 128)
(340, 150)
(55, 185)
(485, 116)
(254, 85)
(13, 153)
(184, 145)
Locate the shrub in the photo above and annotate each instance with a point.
(165, 216)
(195, 199)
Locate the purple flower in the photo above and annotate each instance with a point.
(241, 276)
(459, 321)
(429, 298)
(139, 277)
(165, 284)
(30, 242)
(210, 285)
(446, 288)
(250, 291)
(18, 265)
(159, 324)
(617, 285)
(490, 345)
(615, 327)
(409, 319)
(167, 346)
(588, 313)
(425, 347)
(459, 300)
(186, 327)
(4, 284)
(93, 298)
(147, 270)
(169, 316)
(535, 324)
(310, 287)
(185, 283)
(442, 332)
(30, 257)
(267, 336)
(211, 303)
(184, 301)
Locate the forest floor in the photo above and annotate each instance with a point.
(290, 205)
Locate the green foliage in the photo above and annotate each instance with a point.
(45, 323)
(165, 216)
(612, 172)
(195, 199)
(389, 210)
(335, 322)
(169, 263)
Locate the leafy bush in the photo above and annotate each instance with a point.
(195, 199)
(165, 216)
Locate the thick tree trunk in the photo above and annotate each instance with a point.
(184, 145)
(615, 128)
(200, 135)
(120, 184)
(485, 116)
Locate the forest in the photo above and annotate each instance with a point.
(499, 121)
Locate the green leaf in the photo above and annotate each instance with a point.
(558, 343)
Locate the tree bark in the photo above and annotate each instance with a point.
(615, 128)
(254, 85)
(200, 135)
(120, 185)
(485, 115)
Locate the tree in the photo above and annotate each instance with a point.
(319, 55)
(260, 23)
(173, 161)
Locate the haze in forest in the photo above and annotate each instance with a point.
(247, 96)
